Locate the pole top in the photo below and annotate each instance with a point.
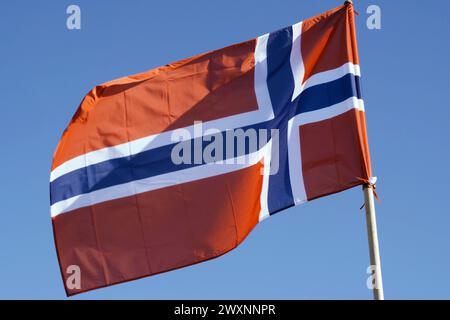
(348, 2)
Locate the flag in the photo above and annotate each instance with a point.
(175, 166)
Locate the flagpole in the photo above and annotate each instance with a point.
(374, 250)
(372, 234)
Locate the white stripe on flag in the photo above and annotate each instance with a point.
(332, 75)
(264, 198)
(298, 69)
(157, 182)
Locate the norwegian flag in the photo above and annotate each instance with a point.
(122, 209)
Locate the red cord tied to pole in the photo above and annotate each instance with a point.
(370, 183)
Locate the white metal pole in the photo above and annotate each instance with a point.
(374, 250)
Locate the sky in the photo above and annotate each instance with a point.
(318, 250)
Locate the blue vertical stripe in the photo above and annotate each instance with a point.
(280, 82)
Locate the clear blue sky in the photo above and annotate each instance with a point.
(314, 251)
